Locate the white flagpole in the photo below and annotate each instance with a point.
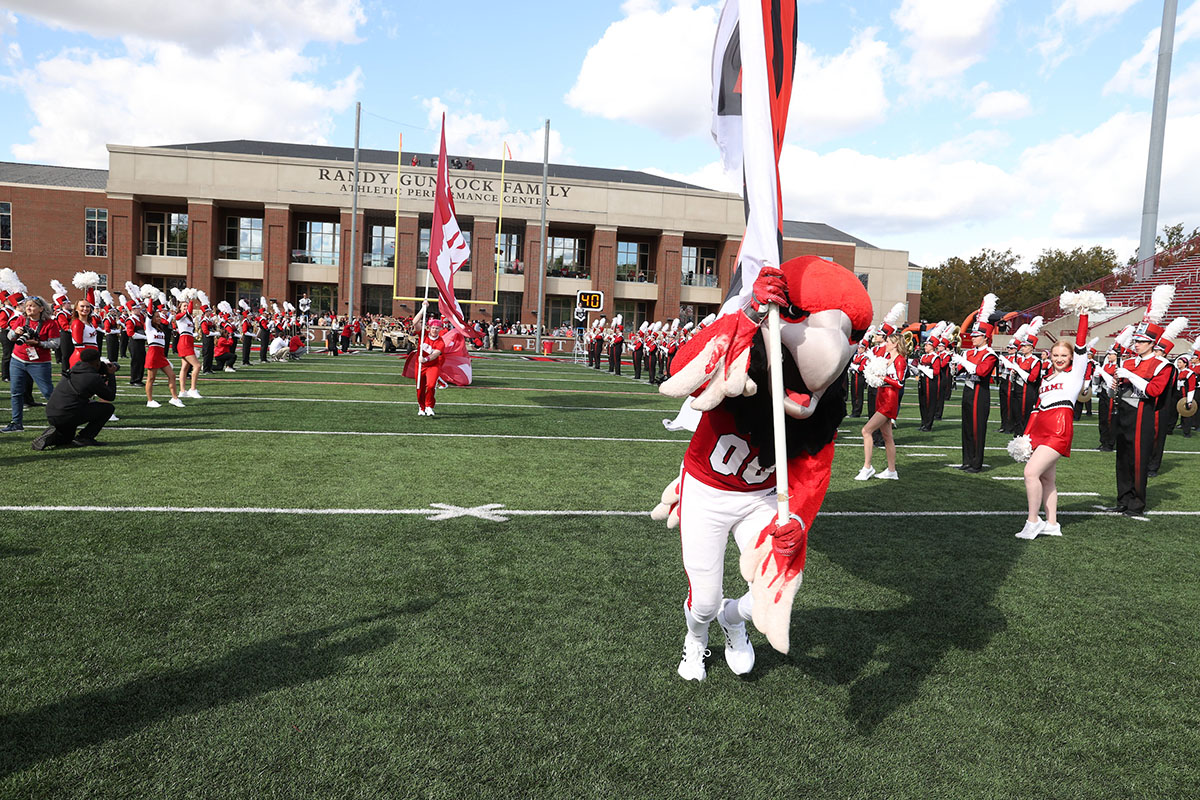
(775, 365)
(421, 338)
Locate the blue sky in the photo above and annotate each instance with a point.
(935, 126)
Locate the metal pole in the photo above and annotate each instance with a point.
(541, 308)
(1158, 129)
(354, 215)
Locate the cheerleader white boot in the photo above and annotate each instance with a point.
(1031, 529)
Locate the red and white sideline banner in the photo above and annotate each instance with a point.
(448, 249)
(754, 60)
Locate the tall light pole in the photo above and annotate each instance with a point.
(354, 215)
(1158, 129)
(541, 309)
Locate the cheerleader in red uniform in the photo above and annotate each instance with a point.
(83, 332)
(1051, 426)
(887, 405)
(156, 359)
(186, 348)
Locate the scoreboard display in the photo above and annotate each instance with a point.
(590, 301)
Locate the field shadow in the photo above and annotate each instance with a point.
(946, 571)
(17, 552)
(109, 448)
(56, 729)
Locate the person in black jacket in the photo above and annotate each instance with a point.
(71, 403)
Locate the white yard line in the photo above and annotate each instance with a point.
(412, 403)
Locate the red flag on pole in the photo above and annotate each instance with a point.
(448, 249)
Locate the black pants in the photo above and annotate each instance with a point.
(124, 344)
(226, 360)
(137, 360)
(263, 343)
(1005, 392)
(112, 343)
(345, 344)
(926, 398)
(246, 340)
(1135, 445)
(637, 363)
(1189, 424)
(945, 388)
(1106, 412)
(617, 349)
(92, 418)
(1165, 419)
(1079, 408)
(856, 393)
(976, 405)
(7, 357)
(206, 352)
(66, 346)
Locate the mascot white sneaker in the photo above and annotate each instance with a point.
(727, 480)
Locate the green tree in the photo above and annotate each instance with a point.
(1173, 236)
(1056, 271)
(955, 287)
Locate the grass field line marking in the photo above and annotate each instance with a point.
(1077, 494)
(408, 385)
(483, 375)
(413, 402)
(1007, 478)
(119, 427)
(923, 455)
(496, 512)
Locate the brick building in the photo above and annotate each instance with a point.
(242, 219)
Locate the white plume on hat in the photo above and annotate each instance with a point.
(224, 307)
(9, 281)
(121, 301)
(133, 292)
(1082, 302)
(645, 326)
(178, 295)
(1021, 333)
(202, 297)
(688, 327)
(988, 307)
(675, 325)
(616, 320)
(106, 296)
(895, 316)
(59, 289)
(1125, 337)
(1175, 328)
(86, 280)
(1035, 327)
(1196, 346)
(274, 308)
(262, 302)
(242, 304)
(1160, 301)
(658, 326)
(708, 320)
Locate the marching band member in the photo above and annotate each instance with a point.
(1051, 425)
(63, 312)
(1141, 381)
(135, 329)
(1166, 410)
(1005, 375)
(639, 350)
(31, 335)
(1105, 381)
(617, 348)
(857, 362)
(112, 327)
(155, 328)
(1029, 373)
(946, 344)
(264, 332)
(887, 375)
(927, 383)
(1189, 376)
(977, 365)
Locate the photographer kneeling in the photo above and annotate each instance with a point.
(71, 403)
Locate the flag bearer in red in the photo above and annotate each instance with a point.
(1141, 380)
(977, 365)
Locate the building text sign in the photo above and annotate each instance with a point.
(476, 189)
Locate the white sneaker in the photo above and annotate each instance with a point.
(429, 412)
(114, 418)
(865, 474)
(230, 369)
(1052, 530)
(691, 668)
(175, 401)
(420, 412)
(1031, 529)
(889, 475)
(739, 653)
(153, 404)
(193, 393)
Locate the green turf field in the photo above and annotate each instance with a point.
(324, 595)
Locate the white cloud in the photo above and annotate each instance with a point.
(1002, 105)
(468, 132)
(1136, 73)
(161, 93)
(946, 38)
(833, 97)
(203, 26)
(651, 68)
(1080, 11)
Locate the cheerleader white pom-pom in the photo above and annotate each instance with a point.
(1020, 448)
(86, 280)
(875, 370)
(1084, 302)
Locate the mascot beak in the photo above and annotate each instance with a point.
(820, 346)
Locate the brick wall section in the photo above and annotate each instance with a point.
(346, 257)
(202, 246)
(533, 261)
(48, 237)
(406, 266)
(914, 306)
(277, 246)
(604, 268)
(668, 263)
(483, 267)
(841, 253)
(727, 252)
(124, 233)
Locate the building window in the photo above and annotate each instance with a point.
(567, 257)
(509, 310)
(95, 238)
(317, 243)
(166, 234)
(633, 313)
(633, 262)
(163, 283)
(249, 291)
(864, 278)
(423, 248)
(243, 239)
(914, 280)
(560, 310)
(508, 253)
(699, 266)
(324, 297)
(377, 300)
(466, 265)
(6, 226)
(381, 248)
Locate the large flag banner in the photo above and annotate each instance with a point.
(754, 60)
(448, 249)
